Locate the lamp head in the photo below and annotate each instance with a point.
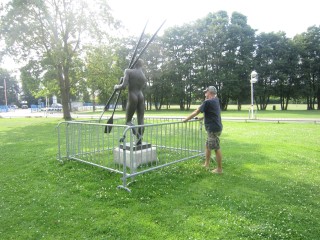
(254, 74)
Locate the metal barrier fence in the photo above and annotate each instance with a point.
(165, 141)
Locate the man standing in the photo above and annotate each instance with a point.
(212, 121)
(136, 80)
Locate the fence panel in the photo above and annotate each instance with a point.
(165, 141)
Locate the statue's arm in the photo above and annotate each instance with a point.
(125, 81)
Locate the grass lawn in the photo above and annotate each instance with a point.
(269, 189)
(294, 111)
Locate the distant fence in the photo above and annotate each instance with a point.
(35, 108)
(4, 108)
(166, 141)
(90, 107)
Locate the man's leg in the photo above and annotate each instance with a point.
(208, 156)
(219, 161)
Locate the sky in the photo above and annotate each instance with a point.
(292, 17)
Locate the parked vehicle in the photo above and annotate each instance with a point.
(57, 107)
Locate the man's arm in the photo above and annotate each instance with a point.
(192, 115)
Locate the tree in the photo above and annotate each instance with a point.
(286, 71)
(239, 57)
(212, 52)
(30, 76)
(102, 71)
(268, 62)
(54, 30)
(9, 88)
(178, 64)
(158, 89)
(309, 53)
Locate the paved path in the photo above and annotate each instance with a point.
(27, 113)
(301, 120)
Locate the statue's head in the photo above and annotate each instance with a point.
(139, 63)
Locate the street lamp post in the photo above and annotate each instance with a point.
(253, 80)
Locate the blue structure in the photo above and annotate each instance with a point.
(4, 108)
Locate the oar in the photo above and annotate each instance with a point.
(136, 49)
(131, 65)
(133, 56)
(107, 129)
(110, 120)
(148, 43)
(106, 107)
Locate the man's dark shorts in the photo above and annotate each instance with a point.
(213, 141)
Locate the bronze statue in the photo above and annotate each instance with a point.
(136, 81)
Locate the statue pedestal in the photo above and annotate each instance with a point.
(140, 154)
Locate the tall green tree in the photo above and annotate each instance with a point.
(102, 72)
(239, 58)
(309, 53)
(213, 54)
(33, 86)
(268, 62)
(286, 71)
(174, 50)
(9, 88)
(157, 92)
(54, 30)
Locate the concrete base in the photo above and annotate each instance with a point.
(141, 154)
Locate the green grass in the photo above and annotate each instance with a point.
(294, 111)
(269, 189)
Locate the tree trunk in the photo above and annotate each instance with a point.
(239, 105)
(64, 89)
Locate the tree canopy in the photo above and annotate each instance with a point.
(69, 52)
(53, 33)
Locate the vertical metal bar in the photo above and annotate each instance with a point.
(111, 142)
(189, 142)
(79, 142)
(183, 139)
(59, 143)
(124, 178)
(67, 141)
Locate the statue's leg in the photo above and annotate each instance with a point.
(140, 117)
(130, 110)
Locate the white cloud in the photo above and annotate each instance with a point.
(265, 15)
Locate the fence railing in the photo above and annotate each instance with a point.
(165, 141)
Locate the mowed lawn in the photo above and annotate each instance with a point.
(270, 189)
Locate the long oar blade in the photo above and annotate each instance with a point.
(107, 129)
(110, 121)
(148, 43)
(106, 107)
(137, 46)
